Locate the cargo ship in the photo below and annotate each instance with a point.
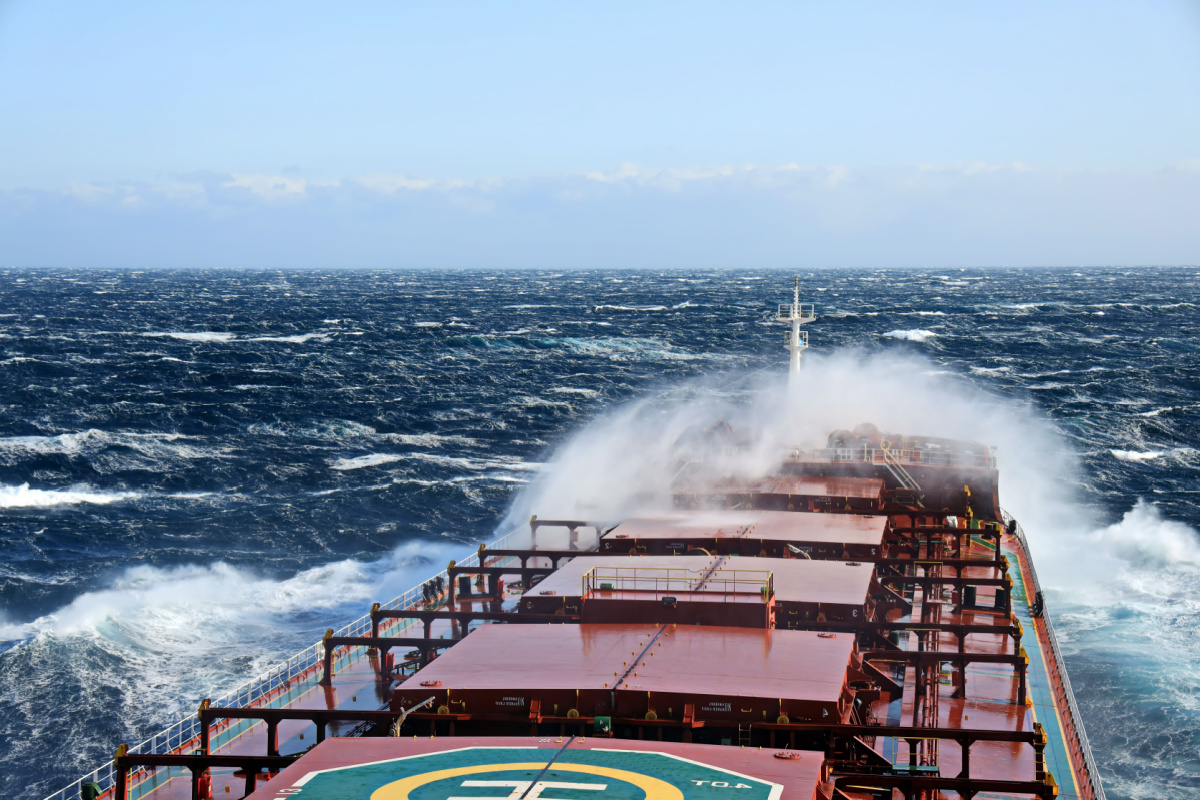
(861, 621)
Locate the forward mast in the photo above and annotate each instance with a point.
(798, 314)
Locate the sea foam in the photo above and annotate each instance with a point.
(915, 335)
(24, 497)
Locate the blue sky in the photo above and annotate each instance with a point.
(599, 134)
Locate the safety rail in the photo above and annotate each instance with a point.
(1093, 773)
(664, 580)
(871, 455)
(186, 732)
(892, 461)
(807, 312)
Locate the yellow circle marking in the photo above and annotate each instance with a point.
(653, 787)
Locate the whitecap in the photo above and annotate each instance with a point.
(92, 439)
(1143, 536)
(1137, 455)
(529, 401)
(427, 324)
(575, 390)
(24, 497)
(372, 460)
(300, 338)
(194, 336)
(630, 308)
(1150, 455)
(429, 439)
(323, 429)
(911, 335)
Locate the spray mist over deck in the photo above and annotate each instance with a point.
(624, 463)
(1125, 596)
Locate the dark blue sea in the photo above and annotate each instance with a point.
(201, 471)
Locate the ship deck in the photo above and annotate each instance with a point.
(751, 533)
(568, 765)
(613, 584)
(990, 705)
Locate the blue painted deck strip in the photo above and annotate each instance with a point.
(1041, 688)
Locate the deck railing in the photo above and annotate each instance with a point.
(758, 583)
(1093, 774)
(808, 312)
(913, 457)
(186, 731)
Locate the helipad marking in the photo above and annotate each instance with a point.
(648, 780)
(653, 787)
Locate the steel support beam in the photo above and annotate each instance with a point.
(382, 643)
(462, 617)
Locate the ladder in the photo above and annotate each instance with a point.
(902, 476)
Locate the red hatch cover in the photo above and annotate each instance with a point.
(620, 580)
(729, 674)
(784, 493)
(751, 533)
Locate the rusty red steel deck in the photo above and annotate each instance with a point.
(751, 533)
(829, 493)
(707, 590)
(522, 672)
(518, 678)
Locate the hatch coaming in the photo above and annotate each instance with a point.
(750, 532)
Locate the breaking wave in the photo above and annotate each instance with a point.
(915, 335)
(24, 497)
(373, 460)
(195, 336)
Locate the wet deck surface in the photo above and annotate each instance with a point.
(991, 705)
(699, 664)
(794, 580)
(770, 525)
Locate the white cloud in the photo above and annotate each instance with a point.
(836, 176)
(971, 213)
(89, 192)
(273, 187)
(390, 184)
(976, 168)
(671, 179)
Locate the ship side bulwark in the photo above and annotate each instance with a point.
(1053, 699)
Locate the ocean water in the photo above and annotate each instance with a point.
(200, 471)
